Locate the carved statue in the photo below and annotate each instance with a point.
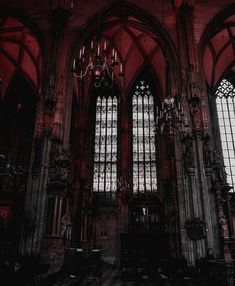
(219, 169)
(188, 153)
(206, 153)
(66, 226)
(169, 102)
(224, 227)
(61, 171)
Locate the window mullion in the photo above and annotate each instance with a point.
(150, 150)
(137, 139)
(225, 133)
(105, 145)
(100, 144)
(143, 139)
(111, 147)
(231, 133)
(143, 162)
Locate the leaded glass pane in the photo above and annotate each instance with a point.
(226, 116)
(144, 159)
(105, 155)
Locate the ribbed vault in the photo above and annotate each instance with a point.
(19, 51)
(137, 47)
(219, 53)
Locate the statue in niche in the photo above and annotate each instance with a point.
(188, 153)
(206, 153)
(66, 226)
(224, 227)
(63, 174)
(195, 112)
(217, 160)
(61, 171)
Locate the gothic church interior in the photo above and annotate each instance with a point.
(117, 123)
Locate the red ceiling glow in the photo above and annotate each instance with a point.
(136, 47)
(19, 51)
(219, 52)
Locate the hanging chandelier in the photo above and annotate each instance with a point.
(65, 4)
(98, 64)
(169, 116)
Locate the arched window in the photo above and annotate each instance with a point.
(143, 134)
(225, 104)
(105, 154)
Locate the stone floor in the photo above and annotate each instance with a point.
(110, 277)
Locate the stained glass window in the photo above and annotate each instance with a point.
(225, 103)
(144, 153)
(105, 155)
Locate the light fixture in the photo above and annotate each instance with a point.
(65, 4)
(97, 63)
(169, 116)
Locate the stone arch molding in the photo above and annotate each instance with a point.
(217, 45)
(21, 48)
(139, 39)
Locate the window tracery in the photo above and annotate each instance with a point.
(105, 155)
(225, 103)
(143, 134)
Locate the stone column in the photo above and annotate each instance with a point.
(34, 213)
(48, 126)
(185, 145)
(192, 199)
(193, 115)
(222, 201)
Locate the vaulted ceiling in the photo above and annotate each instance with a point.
(136, 47)
(19, 52)
(219, 54)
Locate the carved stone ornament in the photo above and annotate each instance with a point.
(188, 155)
(60, 174)
(195, 228)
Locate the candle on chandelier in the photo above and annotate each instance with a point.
(105, 46)
(74, 64)
(98, 50)
(92, 45)
(121, 68)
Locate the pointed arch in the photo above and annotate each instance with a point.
(138, 38)
(144, 153)
(217, 46)
(21, 48)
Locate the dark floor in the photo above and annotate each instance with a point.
(110, 277)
